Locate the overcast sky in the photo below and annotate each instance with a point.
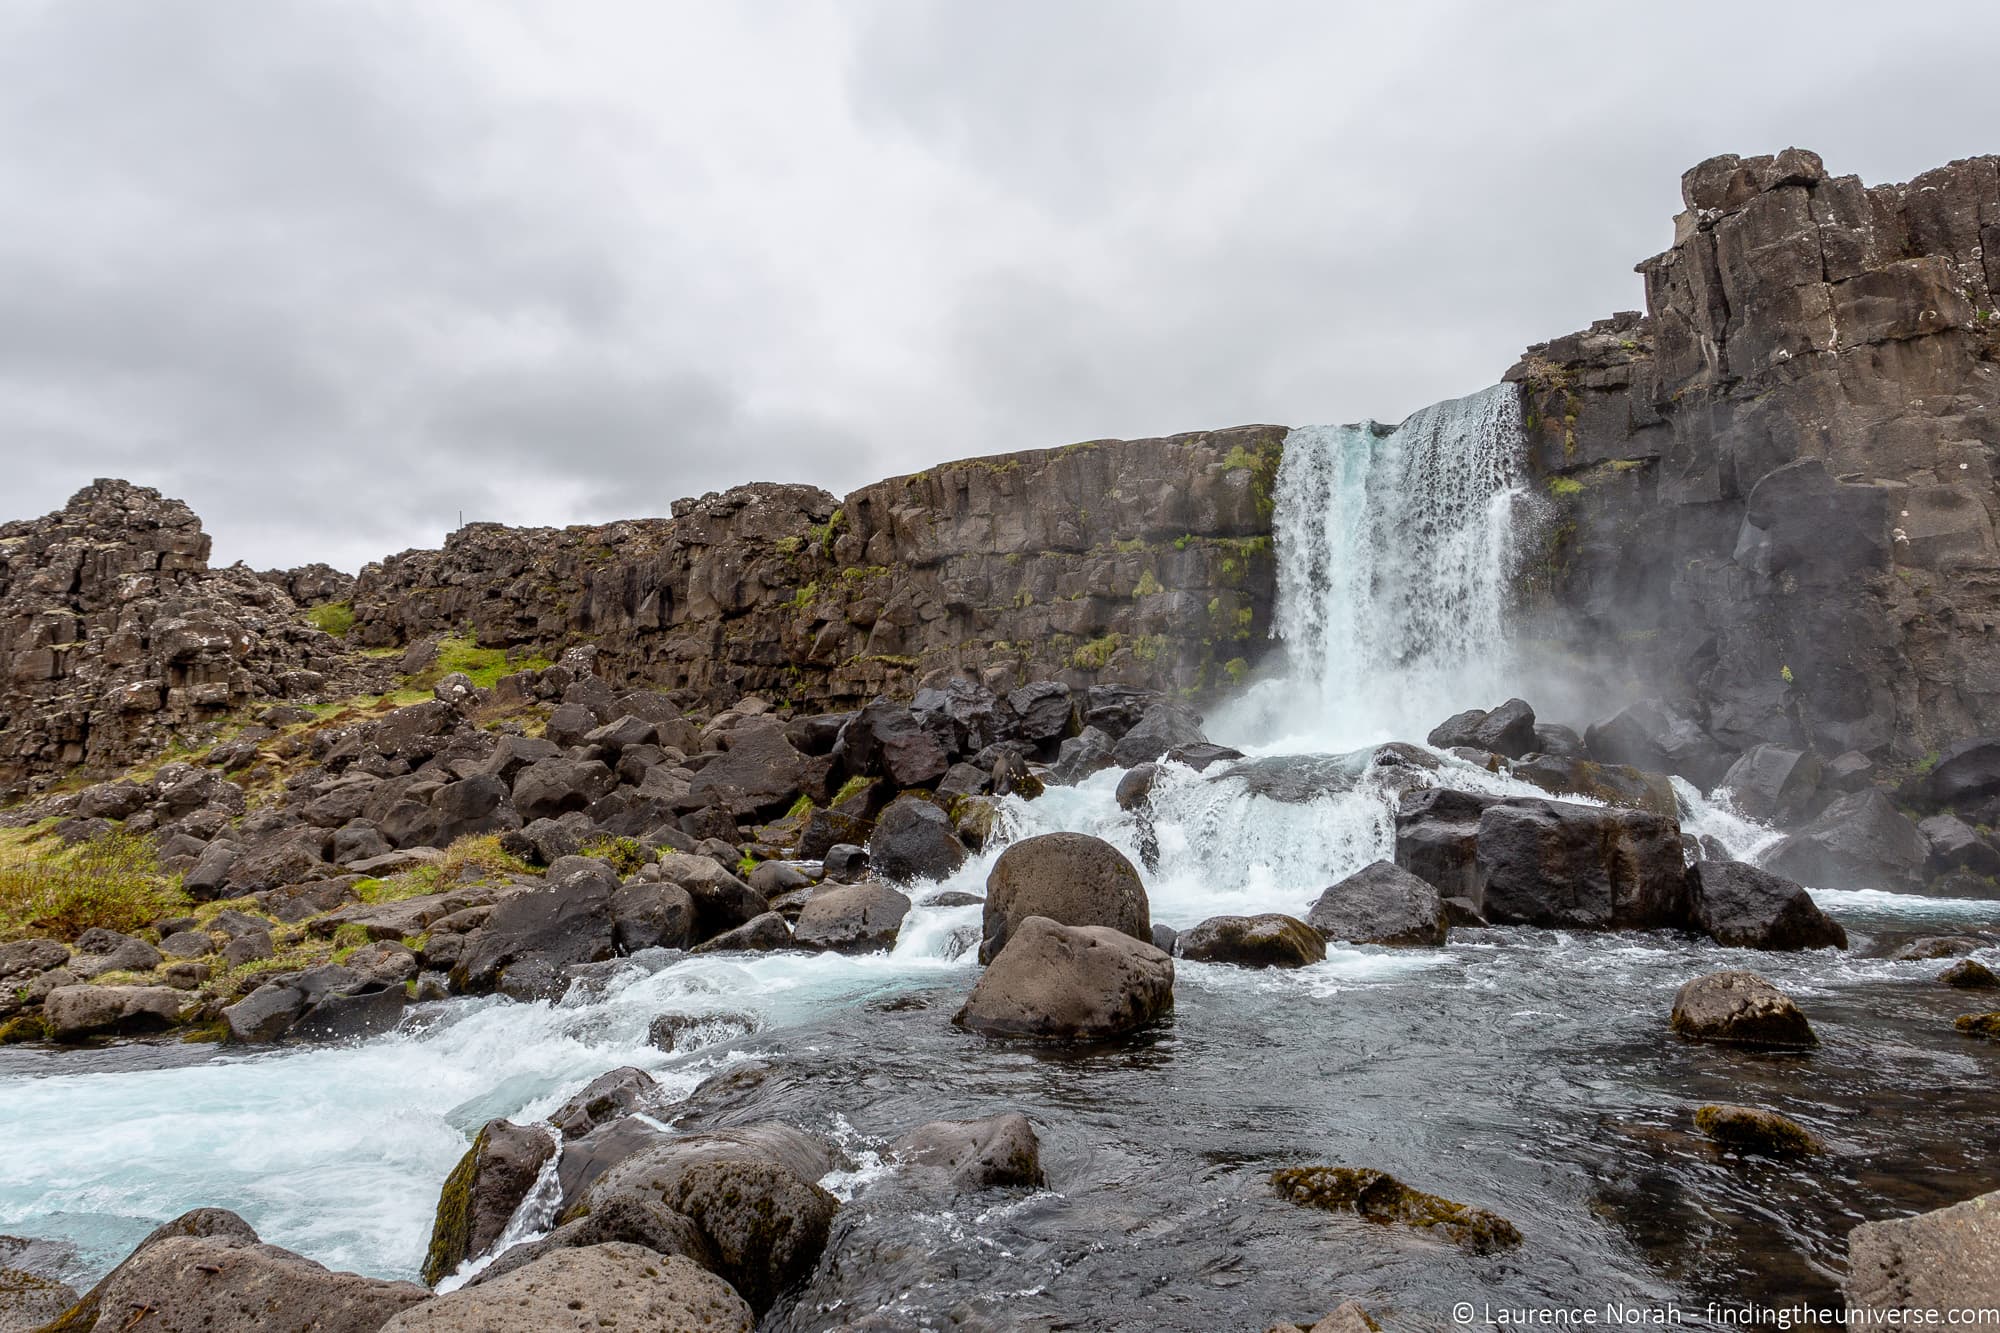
(335, 272)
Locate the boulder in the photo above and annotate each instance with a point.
(1746, 1129)
(851, 918)
(1267, 940)
(1941, 1261)
(604, 1099)
(647, 915)
(482, 1192)
(30, 1300)
(27, 958)
(1747, 908)
(1000, 1151)
(1088, 752)
(757, 776)
(1135, 789)
(1956, 845)
(844, 864)
(74, 1013)
(1742, 1009)
(1381, 1198)
(1070, 878)
(886, 738)
(682, 1032)
(481, 803)
(1861, 841)
(1162, 727)
(721, 900)
(760, 934)
(1654, 736)
(816, 733)
(1069, 983)
(586, 1290)
(751, 1192)
(531, 938)
(549, 787)
(1045, 712)
(646, 1222)
(826, 829)
(1966, 775)
(195, 1284)
(1508, 730)
(215, 1223)
(1965, 974)
(913, 840)
(1381, 904)
(99, 951)
(1773, 783)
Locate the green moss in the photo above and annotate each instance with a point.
(1096, 654)
(1747, 1130)
(1147, 586)
(1149, 648)
(1379, 1197)
(27, 1027)
(1979, 1025)
(745, 864)
(1565, 487)
(1237, 669)
(335, 618)
(483, 666)
(347, 938)
(825, 533)
(1130, 546)
(801, 808)
(789, 545)
(626, 855)
(804, 597)
(451, 1233)
(852, 788)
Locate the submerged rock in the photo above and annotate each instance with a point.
(1070, 983)
(1747, 908)
(1380, 1197)
(999, 1151)
(586, 1290)
(1739, 1008)
(1347, 1317)
(1969, 975)
(1070, 878)
(481, 1193)
(1749, 1130)
(1939, 1261)
(1267, 940)
(1979, 1025)
(1381, 904)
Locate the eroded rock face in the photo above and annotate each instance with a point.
(1944, 1260)
(1773, 491)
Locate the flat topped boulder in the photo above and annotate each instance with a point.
(1381, 904)
(1070, 983)
(1270, 939)
(1747, 908)
(851, 918)
(1741, 1009)
(616, 1285)
(1070, 878)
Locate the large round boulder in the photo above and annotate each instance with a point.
(611, 1286)
(851, 918)
(913, 840)
(1070, 878)
(1741, 1009)
(1270, 939)
(1070, 983)
(1747, 908)
(194, 1284)
(1381, 904)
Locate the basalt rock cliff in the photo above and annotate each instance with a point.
(1773, 493)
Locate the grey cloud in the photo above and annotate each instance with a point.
(336, 272)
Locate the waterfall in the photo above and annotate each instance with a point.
(1396, 554)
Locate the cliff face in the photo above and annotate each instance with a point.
(1144, 562)
(1773, 494)
(115, 634)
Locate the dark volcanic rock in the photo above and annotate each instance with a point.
(853, 918)
(913, 840)
(481, 1193)
(1748, 908)
(529, 940)
(1069, 983)
(760, 934)
(1772, 783)
(1268, 940)
(1070, 878)
(1508, 730)
(1655, 737)
(886, 738)
(1859, 842)
(1381, 904)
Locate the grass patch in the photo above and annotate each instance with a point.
(483, 666)
(112, 881)
(336, 618)
(1096, 654)
(626, 855)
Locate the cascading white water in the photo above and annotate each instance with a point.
(1396, 551)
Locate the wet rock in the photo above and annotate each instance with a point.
(194, 1284)
(1070, 878)
(1654, 736)
(73, 1013)
(1966, 775)
(1747, 908)
(1162, 727)
(854, 918)
(216, 1223)
(1379, 1197)
(1081, 755)
(1165, 938)
(686, 1032)
(1943, 1261)
(265, 1014)
(1267, 940)
(1859, 842)
(760, 934)
(1000, 1151)
(651, 916)
(1739, 1008)
(844, 863)
(1069, 983)
(1956, 845)
(1746, 1129)
(482, 1192)
(751, 1193)
(529, 939)
(587, 1289)
(1381, 904)
(913, 840)
(721, 900)
(1979, 1025)
(1463, 912)
(1136, 787)
(827, 829)
(1508, 730)
(1773, 783)
(1936, 946)
(1969, 975)
(604, 1099)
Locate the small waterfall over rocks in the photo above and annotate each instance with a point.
(1396, 552)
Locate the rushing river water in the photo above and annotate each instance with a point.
(1527, 1071)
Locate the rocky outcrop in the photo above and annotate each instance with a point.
(1772, 496)
(116, 637)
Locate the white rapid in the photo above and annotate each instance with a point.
(1396, 552)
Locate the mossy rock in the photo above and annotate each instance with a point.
(26, 1028)
(1967, 974)
(1979, 1025)
(1379, 1197)
(1746, 1129)
(451, 1232)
